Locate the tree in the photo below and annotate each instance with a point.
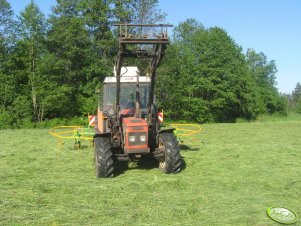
(70, 51)
(296, 98)
(137, 11)
(7, 84)
(6, 24)
(97, 17)
(185, 30)
(32, 28)
(264, 73)
(205, 76)
(146, 12)
(296, 94)
(51, 68)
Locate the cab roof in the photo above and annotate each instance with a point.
(128, 74)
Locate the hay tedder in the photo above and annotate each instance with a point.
(76, 133)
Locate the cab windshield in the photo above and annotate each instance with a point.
(127, 97)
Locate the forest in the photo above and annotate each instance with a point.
(51, 67)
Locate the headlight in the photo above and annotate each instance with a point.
(143, 138)
(132, 138)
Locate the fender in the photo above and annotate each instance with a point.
(167, 130)
(97, 131)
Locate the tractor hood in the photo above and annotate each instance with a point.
(134, 122)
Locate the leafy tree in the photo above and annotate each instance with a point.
(97, 16)
(30, 50)
(51, 68)
(264, 73)
(70, 50)
(122, 10)
(296, 95)
(296, 98)
(207, 75)
(185, 30)
(7, 84)
(81, 40)
(6, 24)
(146, 12)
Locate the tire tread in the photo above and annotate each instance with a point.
(103, 157)
(173, 159)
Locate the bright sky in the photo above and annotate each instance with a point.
(269, 26)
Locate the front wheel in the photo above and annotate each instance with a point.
(172, 161)
(103, 157)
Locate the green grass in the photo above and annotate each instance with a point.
(291, 116)
(231, 179)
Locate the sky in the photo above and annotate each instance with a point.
(269, 26)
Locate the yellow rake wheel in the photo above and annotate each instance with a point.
(187, 131)
(77, 133)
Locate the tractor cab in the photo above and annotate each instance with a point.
(131, 85)
(134, 93)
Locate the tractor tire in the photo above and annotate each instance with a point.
(103, 157)
(172, 161)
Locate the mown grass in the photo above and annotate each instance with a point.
(231, 179)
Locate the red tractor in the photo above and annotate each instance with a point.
(127, 125)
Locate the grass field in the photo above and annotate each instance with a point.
(231, 179)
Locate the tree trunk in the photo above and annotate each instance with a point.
(40, 113)
(32, 81)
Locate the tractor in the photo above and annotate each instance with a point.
(127, 126)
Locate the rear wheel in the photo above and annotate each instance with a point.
(103, 157)
(171, 162)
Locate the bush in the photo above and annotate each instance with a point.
(75, 121)
(6, 119)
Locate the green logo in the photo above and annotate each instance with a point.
(282, 215)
